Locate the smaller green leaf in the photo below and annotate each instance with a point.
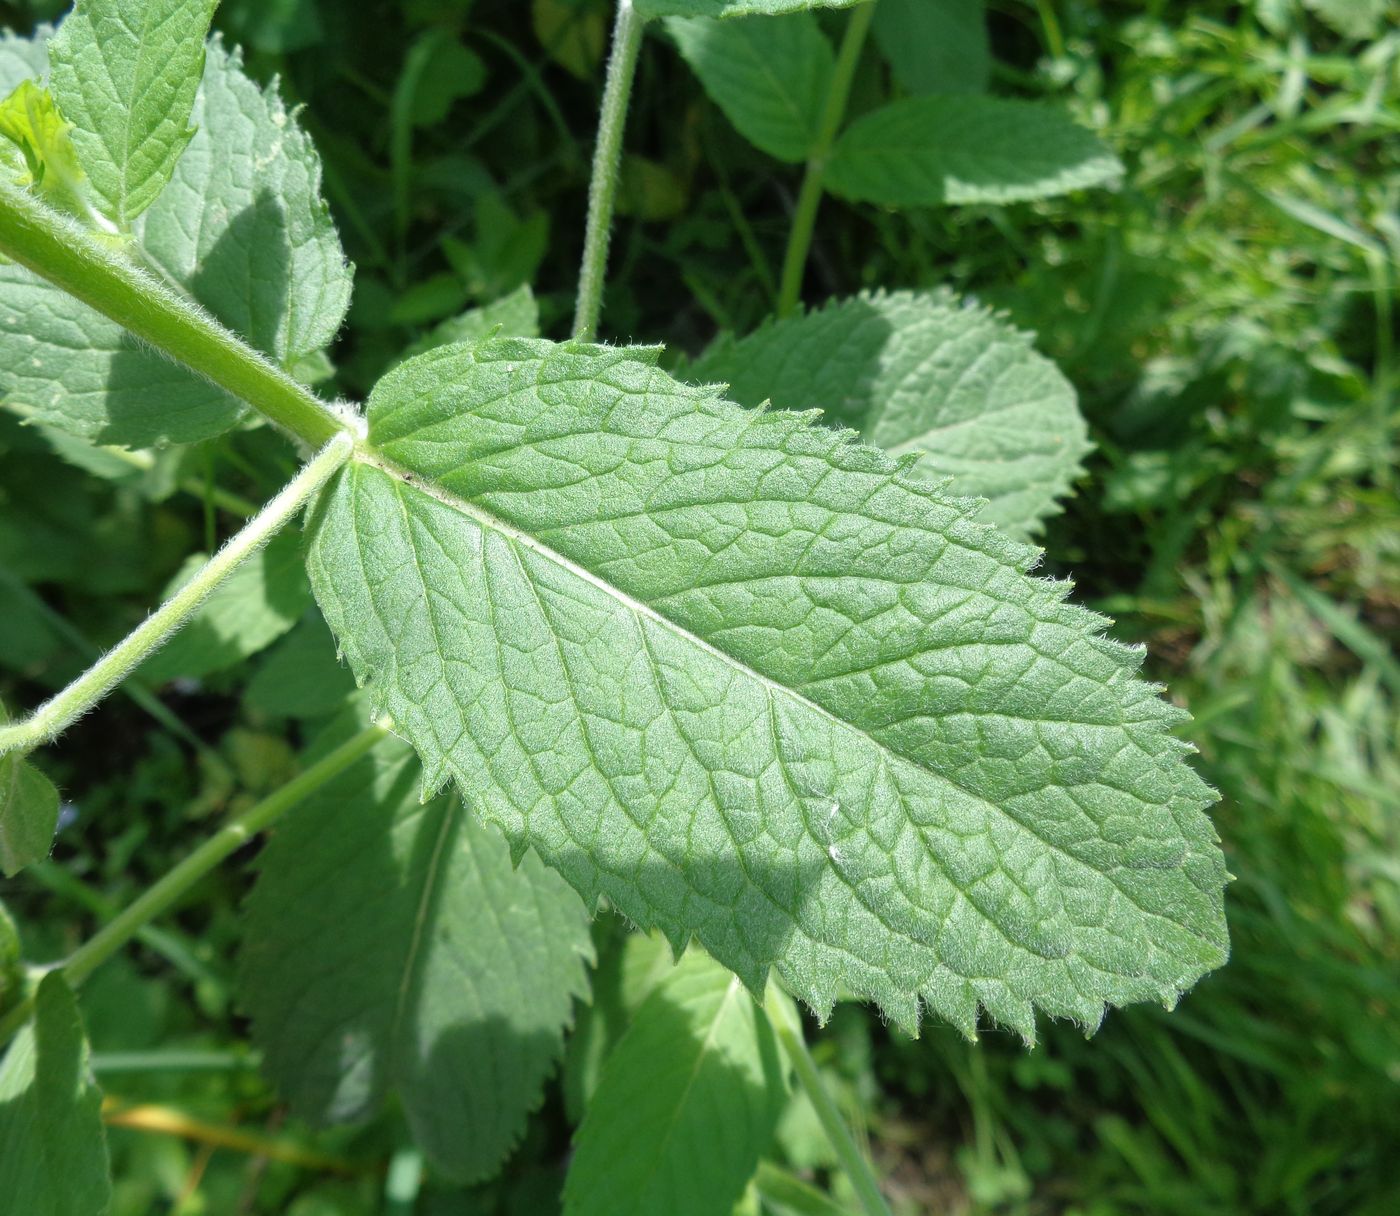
(935, 46)
(53, 1153)
(770, 78)
(922, 372)
(37, 148)
(516, 315)
(28, 812)
(259, 602)
(686, 1106)
(934, 149)
(126, 74)
(440, 971)
(732, 8)
(301, 676)
(11, 962)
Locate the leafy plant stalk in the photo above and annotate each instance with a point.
(60, 250)
(781, 1014)
(607, 155)
(64, 708)
(809, 198)
(227, 840)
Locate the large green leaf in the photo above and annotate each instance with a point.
(28, 811)
(769, 77)
(732, 8)
(53, 1155)
(921, 372)
(125, 74)
(935, 46)
(961, 148)
(749, 680)
(241, 228)
(687, 1103)
(391, 945)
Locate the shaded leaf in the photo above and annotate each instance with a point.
(927, 150)
(732, 8)
(923, 373)
(301, 677)
(28, 811)
(770, 78)
(935, 46)
(125, 75)
(740, 675)
(686, 1106)
(516, 315)
(53, 1154)
(391, 945)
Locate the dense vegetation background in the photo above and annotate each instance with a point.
(1228, 319)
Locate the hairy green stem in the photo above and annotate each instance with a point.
(809, 198)
(157, 898)
(59, 249)
(782, 1015)
(607, 156)
(64, 708)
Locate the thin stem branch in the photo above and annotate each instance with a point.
(783, 1016)
(809, 198)
(64, 708)
(157, 898)
(607, 156)
(62, 251)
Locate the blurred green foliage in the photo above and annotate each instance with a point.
(1228, 317)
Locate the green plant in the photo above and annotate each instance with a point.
(749, 681)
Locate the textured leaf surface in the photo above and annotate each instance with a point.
(769, 77)
(732, 8)
(260, 601)
(392, 945)
(935, 46)
(53, 1155)
(125, 75)
(241, 227)
(687, 1103)
(921, 372)
(28, 812)
(736, 672)
(964, 149)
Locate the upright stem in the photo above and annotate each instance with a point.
(782, 1015)
(228, 839)
(60, 250)
(607, 156)
(62, 709)
(809, 198)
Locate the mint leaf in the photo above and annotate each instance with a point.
(921, 372)
(743, 677)
(259, 602)
(125, 74)
(53, 1154)
(301, 676)
(241, 228)
(391, 945)
(935, 46)
(769, 77)
(28, 811)
(963, 149)
(698, 1046)
(732, 8)
(516, 315)
(36, 147)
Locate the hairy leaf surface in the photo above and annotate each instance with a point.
(935, 46)
(392, 945)
(732, 8)
(28, 811)
(769, 77)
(687, 1103)
(53, 1154)
(920, 372)
(125, 75)
(241, 228)
(744, 677)
(927, 150)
